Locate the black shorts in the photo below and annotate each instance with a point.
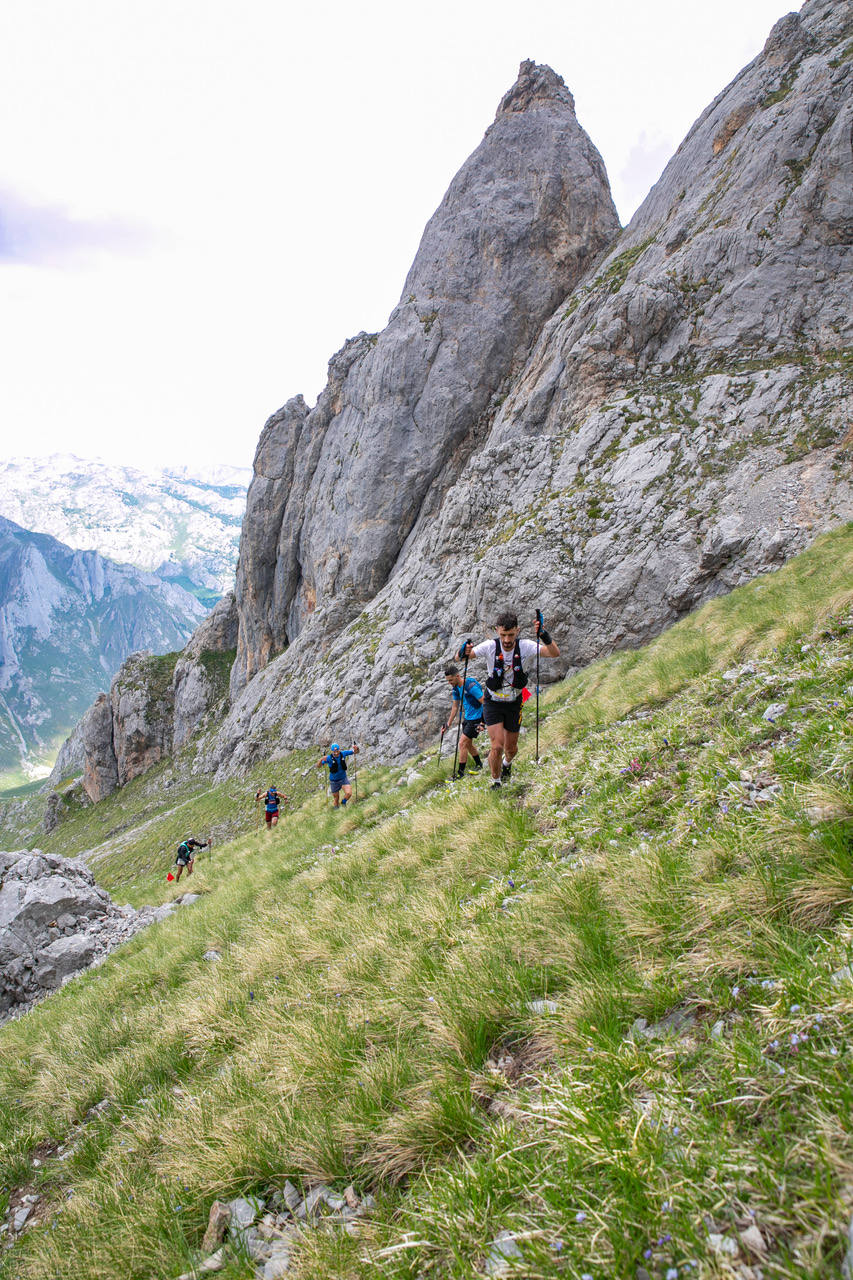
(471, 728)
(506, 713)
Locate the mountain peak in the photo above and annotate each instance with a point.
(535, 84)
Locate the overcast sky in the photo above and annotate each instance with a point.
(200, 200)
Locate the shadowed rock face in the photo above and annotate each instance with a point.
(338, 489)
(95, 733)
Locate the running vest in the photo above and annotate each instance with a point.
(519, 677)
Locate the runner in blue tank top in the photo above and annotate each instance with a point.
(471, 700)
(338, 780)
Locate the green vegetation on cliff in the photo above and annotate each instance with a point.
(434, 994)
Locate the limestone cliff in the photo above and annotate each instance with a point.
(613, 427)
(680, 424)
(338, 489)
(154, 705)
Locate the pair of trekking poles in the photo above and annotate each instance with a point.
(453, 775)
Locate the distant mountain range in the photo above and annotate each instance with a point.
(182, 523)
(68, 619)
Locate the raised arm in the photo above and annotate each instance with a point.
(546, 644)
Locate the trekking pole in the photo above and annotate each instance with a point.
(257, 813)
(540, 620)
(440, 741)
(355, 771)
(459, 725)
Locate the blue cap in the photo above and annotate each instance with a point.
(334, 747)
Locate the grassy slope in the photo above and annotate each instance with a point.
(369, 1019)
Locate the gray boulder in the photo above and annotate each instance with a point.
(54, 922)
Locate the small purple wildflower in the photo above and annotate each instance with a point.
(795, 1008)
(672, 1273)
(735, 992)
(557, 1246)
(580, 1216)
(647, 1253)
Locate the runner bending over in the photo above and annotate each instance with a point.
(186, 855)
(338, 780)
(507, 680)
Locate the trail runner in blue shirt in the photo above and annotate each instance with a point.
(339, 783)
(471, 701)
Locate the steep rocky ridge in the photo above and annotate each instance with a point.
(155, 704)
(337, 489)
(680, 424)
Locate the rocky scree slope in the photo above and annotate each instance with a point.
(681, 424)
(55, 922)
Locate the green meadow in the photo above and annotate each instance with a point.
(604, 1009)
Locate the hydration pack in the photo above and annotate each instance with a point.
(519, 677)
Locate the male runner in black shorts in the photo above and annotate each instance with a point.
(507, 680)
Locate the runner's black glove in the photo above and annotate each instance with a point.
(541, 633)
(461, 654)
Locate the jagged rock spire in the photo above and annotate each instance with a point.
(535, 84)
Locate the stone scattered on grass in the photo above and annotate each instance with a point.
(727, 1246)
(675, 1023)
(542, 1006)
(501, 1250)
(268, 1230)
(752, 1238)
(775, 712)
(217, 1224)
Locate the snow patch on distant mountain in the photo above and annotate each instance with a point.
(182, 521)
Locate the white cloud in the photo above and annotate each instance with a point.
(52, 236)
